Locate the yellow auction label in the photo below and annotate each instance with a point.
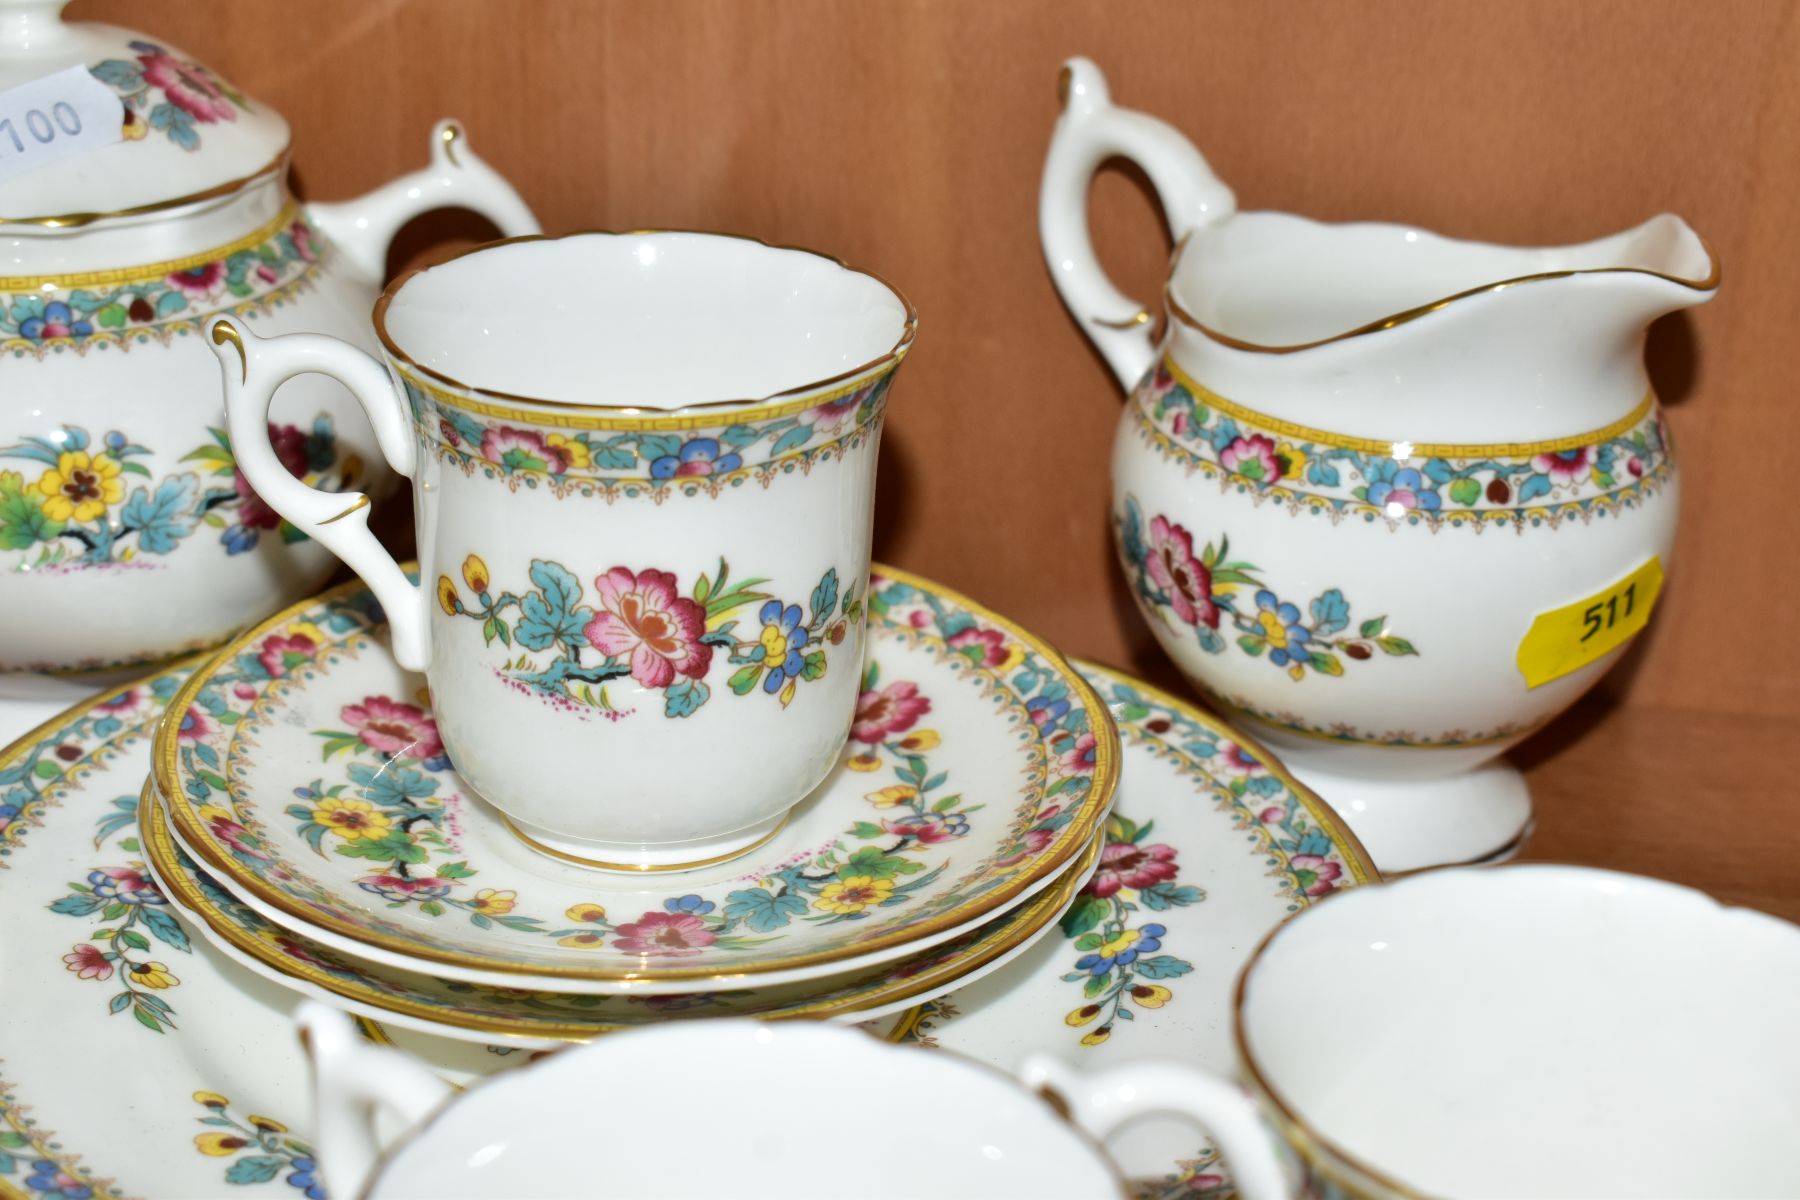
(1568, 638)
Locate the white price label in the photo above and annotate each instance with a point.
(50, 118)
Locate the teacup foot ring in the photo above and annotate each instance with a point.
(640, 859)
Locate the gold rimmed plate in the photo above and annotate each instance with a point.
(304, 772)
(427, 1003)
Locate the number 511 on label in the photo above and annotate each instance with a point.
(1568, 638)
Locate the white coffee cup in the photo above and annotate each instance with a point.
(641, 605)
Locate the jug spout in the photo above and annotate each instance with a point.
(1656, 268)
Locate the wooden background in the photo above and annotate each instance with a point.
(906, 136)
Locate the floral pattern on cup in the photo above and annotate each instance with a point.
(1209, 591)
(157, 305)
(190, 95)
(640, 625)
(655, 462)
(1246, 451)
(77, 513)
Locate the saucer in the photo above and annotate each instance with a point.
(1211, 844)
(306, 775)
(544, 1020)
(164, 1071)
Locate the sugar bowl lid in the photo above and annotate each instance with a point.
(187, 132)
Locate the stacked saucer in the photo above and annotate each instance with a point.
(303, 815)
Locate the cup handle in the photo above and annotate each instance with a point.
(1089, 132)
(361, 229)
(254, 369)
(352, 1083)
(1100, 1102)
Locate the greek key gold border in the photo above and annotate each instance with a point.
(1405, 449)
(38, 283)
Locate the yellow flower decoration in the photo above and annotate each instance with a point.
(1150, 995)
(1081, 1016)
(586, 912)
(134, 128)
(1099, 1035)
(774, 643)
(582, 941)
(307, 630)
(1293, 461)
(352, 819)
(268, 1124)
(475, 574)
(211, 1100)
(1126, 940)
(889, 797)
(80, 488)
(152, 975)
(220, 1145)
(493, 903)
(447, 597)
(921, 739)
(576, 452)
(854, 894)
(864, 762)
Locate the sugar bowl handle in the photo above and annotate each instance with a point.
(254, 369)
(353, 1083)
(362, 228)
(1089, 132)
(1100, 1102)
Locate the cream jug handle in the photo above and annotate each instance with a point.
(352, 1083)
(254, 369)
(361, 229)
(1089, 132)
(1101, 1102)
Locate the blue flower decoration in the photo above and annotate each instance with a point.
(44, 1176)
(1148, 941)
(58, 321)
(697, 456)
(107, 888)
(238, 539)
(783, 624)
(1046, 713)
(1296, 651)
(306, 1178)
(689, 904)
(1417, 492)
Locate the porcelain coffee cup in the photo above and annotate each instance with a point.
(705, 1109)
(1515, 1031)
(640, 598)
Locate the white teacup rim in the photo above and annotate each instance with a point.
(744, 408)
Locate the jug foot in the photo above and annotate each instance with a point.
(1409, 824)
(635, 857)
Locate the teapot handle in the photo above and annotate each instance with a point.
(352, 1083)
(1089, 132)
(1101, 1102)
(363, 228)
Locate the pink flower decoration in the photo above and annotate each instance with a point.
(233, 834)
(1031, 845)
(1567, 466)
(929, 829)
(1315, 874)
(1176, 571)
(195, 725)
(1126, 865)
(281, 654)
(1271, 815)
(894, 709)
(1252, 457)
(188, 87)
(88, 962)
(301, 235)
(663, 933)
(120, 705)
(522, 450)
(1082, 756)
(290, 447)
(643, 616)
(394, 728)
(1232, 756)
(827, 417)
(202, 280)
(984, 647)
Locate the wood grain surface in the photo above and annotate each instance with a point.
(907, 135)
